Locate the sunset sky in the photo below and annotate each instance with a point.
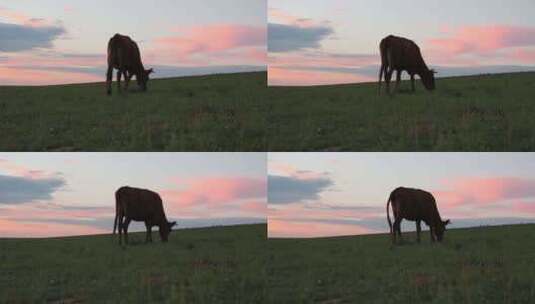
(66, 41)
(323, 42)
(329, 194)
(47, 194)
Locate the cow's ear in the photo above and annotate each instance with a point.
(446, 222)
(150, 71)
(172, 224)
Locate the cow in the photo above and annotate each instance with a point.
(415, 205)
(140, 205)
(124, 55)
(401, 54)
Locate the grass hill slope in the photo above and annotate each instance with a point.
(203, 113)
(477, 265)
(237, 112)
(209, 265)
(474, 113)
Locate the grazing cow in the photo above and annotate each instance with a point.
(401, 54)
(140, 205)
(123, 55)
(415, 205)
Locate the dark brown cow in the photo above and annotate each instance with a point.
(140, 205)
(401, 54)
(415, 205)
(123, 55)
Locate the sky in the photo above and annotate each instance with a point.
(314, 42)
(332, 194)
(65, 41)
(63, 194)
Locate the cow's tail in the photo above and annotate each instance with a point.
(388, 212)
(382, 70)
(117, 211)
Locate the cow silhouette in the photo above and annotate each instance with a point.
(134, 204)
(124, 55)
(401, 54)
(415, 205)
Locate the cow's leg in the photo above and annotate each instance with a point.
(125, 227)
(388, 77)
(397, 228)
(109, 76)
(127, 77)
(412, 83)
(149, 232)
(418, 230)
(381, 72)
(398, 79)
(121, 218)
(119, 73)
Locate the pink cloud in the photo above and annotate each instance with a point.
(325, 60)
(215, 42)
(526, 208)
(485, 190)
(290, 77)
(493, 43)
(29, 76)
(280, 16)
(48, 211)
(217, 196)
(23, 19)
(13, 168)
(282, 228)
(484, 196)
(215, 190)
(9, 228)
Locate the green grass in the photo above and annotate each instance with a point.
(210, 265)
(478, 113)
(205, 113)
(480, 265)
(237, 112)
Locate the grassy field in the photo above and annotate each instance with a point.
(237, 112)
(204, 113)
(479, 113)
(480, 265)
(211, 265)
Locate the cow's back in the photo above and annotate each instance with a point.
(123, 53)
(140, 204)
(415, 204)
(402, 53)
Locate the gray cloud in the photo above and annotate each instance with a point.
(16, 38)
(286, 38)
(18, 190)
(286, 190)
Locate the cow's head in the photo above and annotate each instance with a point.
(440, 228)
(143, 79)
(428, 79)
(165, 229)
